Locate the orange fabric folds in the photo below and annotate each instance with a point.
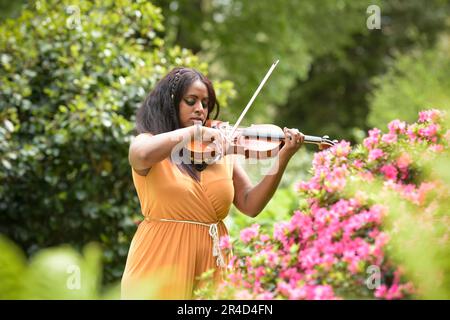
(166, 257)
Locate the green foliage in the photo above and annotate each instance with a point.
(417, 81)
(52, 273)
(283, 202)
(279, 208)
(72, 74)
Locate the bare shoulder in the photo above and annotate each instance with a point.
(141, 136)
(138, 141)
(135, 154)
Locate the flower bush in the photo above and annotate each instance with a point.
(338, 243)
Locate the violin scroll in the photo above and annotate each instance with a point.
(323, 143)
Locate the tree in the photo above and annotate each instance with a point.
(241, 39)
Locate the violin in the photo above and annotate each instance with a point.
(261, 141)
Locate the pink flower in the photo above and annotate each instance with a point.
(366, 175)
(297, 293)
(249, 233)
(309, 258)
(429, 131)
(389, 171)
(335, 180)
(299, 221)
(283, 288)
(358, 164)
(244, 295)
(379, 211)
(404, 160)
(381, 240)
(235, 278)
(381, 291)
(279, 231)
(321, 159)
(389, 138)
(373, 139)
(412, 135)
(429, 115)
(259, 272)
(354, 266)
(393, 292)
(313, 184)
(437, 148)
(423, 191)
(342, 149)
(375, 133)
(265, 296)
(397, 127)
(225, 242)
(271, 258)
(298, 186)
(323, 293)
(375, 154)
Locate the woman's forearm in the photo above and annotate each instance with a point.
(148, 150)
(258, 197)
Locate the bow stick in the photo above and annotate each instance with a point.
(253, 97)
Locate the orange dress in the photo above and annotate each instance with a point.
(170, 249)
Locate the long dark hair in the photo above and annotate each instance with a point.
(159, 112)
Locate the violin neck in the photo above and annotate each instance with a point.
(313, 139)
(270, 136)
(262, 133)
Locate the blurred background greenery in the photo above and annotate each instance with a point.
(72, 74)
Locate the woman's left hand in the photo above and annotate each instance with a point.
(292, 142)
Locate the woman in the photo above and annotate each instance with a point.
(184, 204)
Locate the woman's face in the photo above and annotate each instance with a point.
(194, 104)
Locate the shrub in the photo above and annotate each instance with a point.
(349, 238)
(416, 80)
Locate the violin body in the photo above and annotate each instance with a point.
(262, 141)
